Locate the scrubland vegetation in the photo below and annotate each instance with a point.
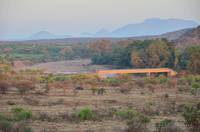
(33, 101)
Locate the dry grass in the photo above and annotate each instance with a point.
(158, 105)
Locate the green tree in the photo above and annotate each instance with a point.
(158, 53)
(190, 59)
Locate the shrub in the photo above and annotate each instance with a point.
(17, 109)
(22, 90)
(31, 100)
(195, 88)
(71, 117)
(5, 126)
(2, 117)
(192, 117)
(163, 124)
(162, 79)
(22, 127)
(21, 114)
(101, 91)
(138, 123)
(125, 90)
(43, 116)
(167, 126)
(112, 81)
(140, 83)
(125, 114)
(150, 109)
(150, 80)
(24, 86)
(10, 103)
(198, 106)
(94, 90)
(85, 114)
(195, 85)
(3, 87)
(123, 78)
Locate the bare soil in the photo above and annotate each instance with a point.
(70, 66)
(56, 103)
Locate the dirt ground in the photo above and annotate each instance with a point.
(56, 103)
(69, 67)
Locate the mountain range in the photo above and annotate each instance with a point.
(181, 38)
(149, 27)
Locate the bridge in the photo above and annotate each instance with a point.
(148, 71)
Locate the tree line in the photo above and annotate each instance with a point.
(148, 54)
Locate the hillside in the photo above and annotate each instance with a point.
(191, 37)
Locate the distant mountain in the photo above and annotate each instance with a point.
(154, 26)
(42, 35)
(102, 33)
(85, 34)
(46, 35)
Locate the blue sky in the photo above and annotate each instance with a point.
(21, 18)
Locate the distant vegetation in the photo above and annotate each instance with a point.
(149, 54)
(132, 54)
(44, 53)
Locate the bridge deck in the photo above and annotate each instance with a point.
(135, 71)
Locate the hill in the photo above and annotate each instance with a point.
(154, 26)
(42, 35)
(189, 38)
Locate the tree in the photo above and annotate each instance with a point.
(101, 46)
(46, 80)
(190, 59)
(158, 53)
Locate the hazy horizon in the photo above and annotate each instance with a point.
(21, 18)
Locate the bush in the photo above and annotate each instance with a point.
(150, 80)
(94, 90)
(22, 127)
(3, 87)
(2, 117)
(5, 126)
(163, 124)
(85, 114)
(10, 103)
(112, 81)
(167, 126)
(195, 87)
(138, 123)
(21, 114)
(192, 117)
(101, 91)
(125, 114)
(162, 79)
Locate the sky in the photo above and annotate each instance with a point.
(21, 18)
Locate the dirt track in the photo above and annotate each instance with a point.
(71, 66)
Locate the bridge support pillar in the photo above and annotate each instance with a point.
(149, 74)
(168, 74)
